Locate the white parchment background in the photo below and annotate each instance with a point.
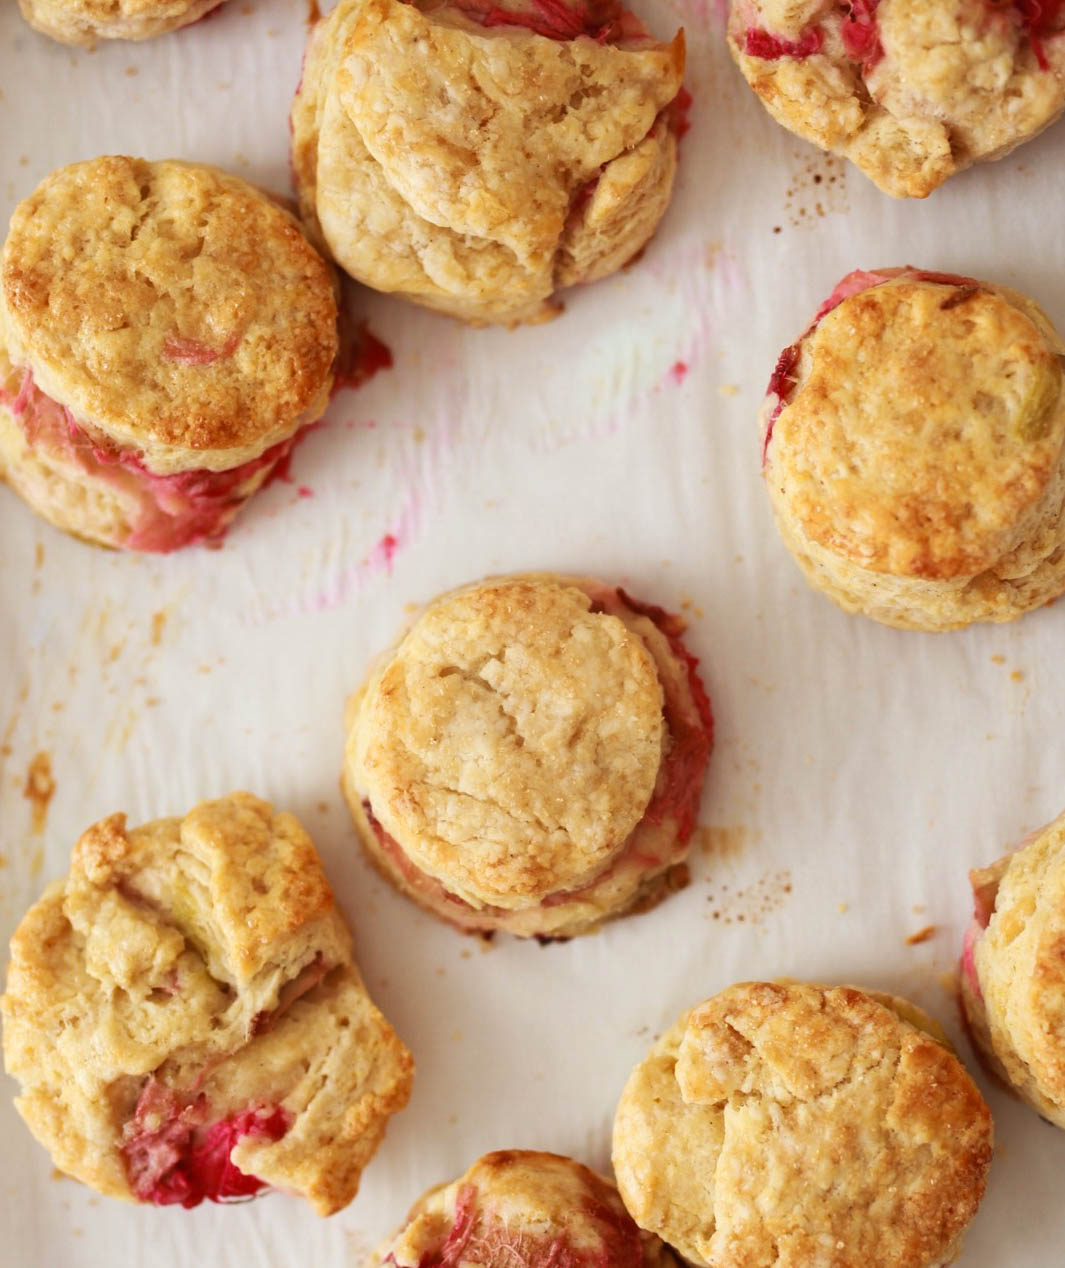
(858, 771)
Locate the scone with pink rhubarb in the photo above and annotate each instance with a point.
(86, 21)
(520, 1209)
(1013, 969)
(166, 332)
(911, 91)
(530, 756)
(186, 1020)
(913, 447)
(477, 157)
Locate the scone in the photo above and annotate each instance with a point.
(86, 21)
(530, 756)
(911, 91)
(1012, 979)
(477, 157)
(166, 331)
(795, 1125)
(520, 1209)
(186, 1020)
(913, 444)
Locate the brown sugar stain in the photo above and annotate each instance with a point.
(159, 620)
(818, 189)
(922, 935)
(724, 841)
(39, 790)
(754, 903)
(314, 13)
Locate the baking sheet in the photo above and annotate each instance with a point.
(858, 771)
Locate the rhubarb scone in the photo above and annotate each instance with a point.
(477, 157)
(1012, 979)
(791, 1125)
(911, 91)
(166, 332)
(186, 1020)
(86, 21)
(530, 756)
(519, 1209)
(914, 450)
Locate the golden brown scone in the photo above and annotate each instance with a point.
(914, 450)
(476, 157)
(794, 1125)
(86, 21)
(911, 91)
(186, 1020)
(166, 331)
(1013, 969)
(519, 1209)
(530, 756)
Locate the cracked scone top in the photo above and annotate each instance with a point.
(476, 157)
(910, 91)
(166, 331)
(186, 1020)
(530, 756)
(914, 450)
(790, 1125)
(517, 1208)
(86, 21)
(1012, 980)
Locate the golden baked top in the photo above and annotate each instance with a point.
(512, 741)
(171, 306)
(787, 1124)
(921, 426)
(517, 1208)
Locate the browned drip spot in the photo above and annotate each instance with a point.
(158, 625)
(39, 790)
(313, 12)
(922, 935)
(724, 841)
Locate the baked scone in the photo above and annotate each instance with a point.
(1012, 978)
(477, 157)
(166, 331)
(186, 1020)
(86, 21)
(530, 756)
(519, 1209)
(913, 442)
(793, 1125)
(911, 91)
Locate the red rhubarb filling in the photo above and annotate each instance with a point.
(858, 31)
(678, 789)
(480, 1238)
(784, 380)
(173, 1156)
(602, 20)
(1041, 20)
(174, 510)
(759, 42)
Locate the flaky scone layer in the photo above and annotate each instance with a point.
(186, 1020)
(787, 1125)
(477, 168)
(174, 309)
(911, 91)
(914, 443)
(529, 756)
(1013, 969)
(86, 21)
(516, 1208)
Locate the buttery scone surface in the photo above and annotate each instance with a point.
(914, 450)
(85, 21)
(911, 91)
(513, 740)
(926, 427)
(792, 1125)
(476, 168)
(171, 305)
(517, 1209)
(1013, 969)
(186, 1020)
